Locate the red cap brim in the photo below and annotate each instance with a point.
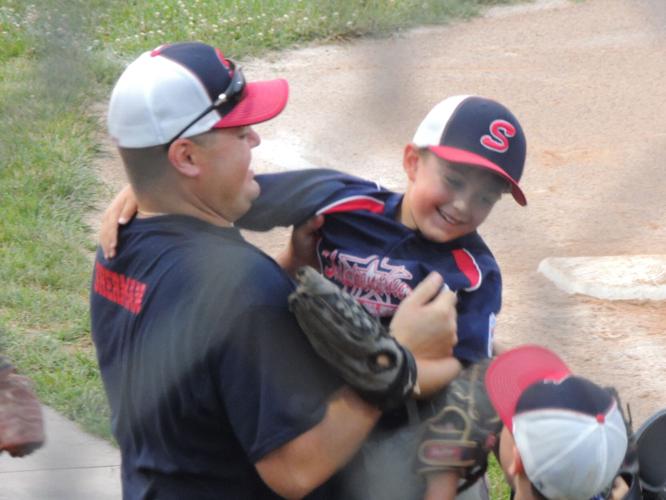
(262, 101)
(514, 371)
(456, 155)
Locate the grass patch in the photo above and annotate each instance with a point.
(250, 27)
(59, 59)
(47, 186)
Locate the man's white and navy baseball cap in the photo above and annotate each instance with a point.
(569, 432)
(479, 132)
(163, 93)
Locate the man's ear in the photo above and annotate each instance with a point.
(182, 153)
(410, 161)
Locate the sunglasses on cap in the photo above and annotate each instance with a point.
(227, 99)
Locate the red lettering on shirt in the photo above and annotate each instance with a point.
(120, 289)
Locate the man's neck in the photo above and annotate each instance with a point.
(148, 210)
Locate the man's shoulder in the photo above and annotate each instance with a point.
(190, 249)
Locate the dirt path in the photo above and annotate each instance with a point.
(587, 82)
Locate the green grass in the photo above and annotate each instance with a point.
(58, 59)
(250, 27)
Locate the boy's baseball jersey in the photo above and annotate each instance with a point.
(364, 249)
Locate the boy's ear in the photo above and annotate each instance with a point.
(182, 154)
(410, 161)
(516, 468)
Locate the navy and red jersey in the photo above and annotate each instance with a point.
(205, 369)
(368, 252)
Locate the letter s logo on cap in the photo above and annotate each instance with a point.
(498, 140)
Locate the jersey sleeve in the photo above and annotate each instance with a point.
(289, 198)
(477, 313)
(271, 382)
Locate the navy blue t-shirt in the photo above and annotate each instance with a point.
(365, 250)
(205, 369)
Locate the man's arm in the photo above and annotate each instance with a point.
(425, 325)
(304, 463)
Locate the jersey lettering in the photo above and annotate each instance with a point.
(376, 284)
(118, 288)
(498, 140)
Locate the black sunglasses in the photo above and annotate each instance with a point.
(224, 103)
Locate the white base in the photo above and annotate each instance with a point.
(624, 277)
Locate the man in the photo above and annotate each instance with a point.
(214, 391)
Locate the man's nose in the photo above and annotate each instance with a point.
(255, 140)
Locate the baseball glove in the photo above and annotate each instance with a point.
(463, 430)
(21, 424)
(352, 342)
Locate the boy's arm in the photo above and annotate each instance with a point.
(477, 312)
(286, 199)
(301, 247)
(121, 209)
(435, 374)
(442, 486)
(289, 198)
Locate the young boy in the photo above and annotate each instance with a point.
(378, 244)
(564, 437)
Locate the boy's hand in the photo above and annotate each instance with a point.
(426, 320)
(121, 209)
(301, 249)
(463, 431)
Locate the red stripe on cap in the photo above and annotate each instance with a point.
(354, 204)
(467, 265)
(514, 371)
(220, 56)
(157, 50)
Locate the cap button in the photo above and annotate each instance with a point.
(601, 418)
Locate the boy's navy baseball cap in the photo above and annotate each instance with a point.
(569, 432)
(166, 89)
(478, 132)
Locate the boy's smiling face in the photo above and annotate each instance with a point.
(444, 200)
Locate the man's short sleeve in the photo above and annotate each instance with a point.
(271, 382)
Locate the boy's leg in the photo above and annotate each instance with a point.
(21, 423)
(478, 491)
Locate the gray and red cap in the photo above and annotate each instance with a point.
(185, 89)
